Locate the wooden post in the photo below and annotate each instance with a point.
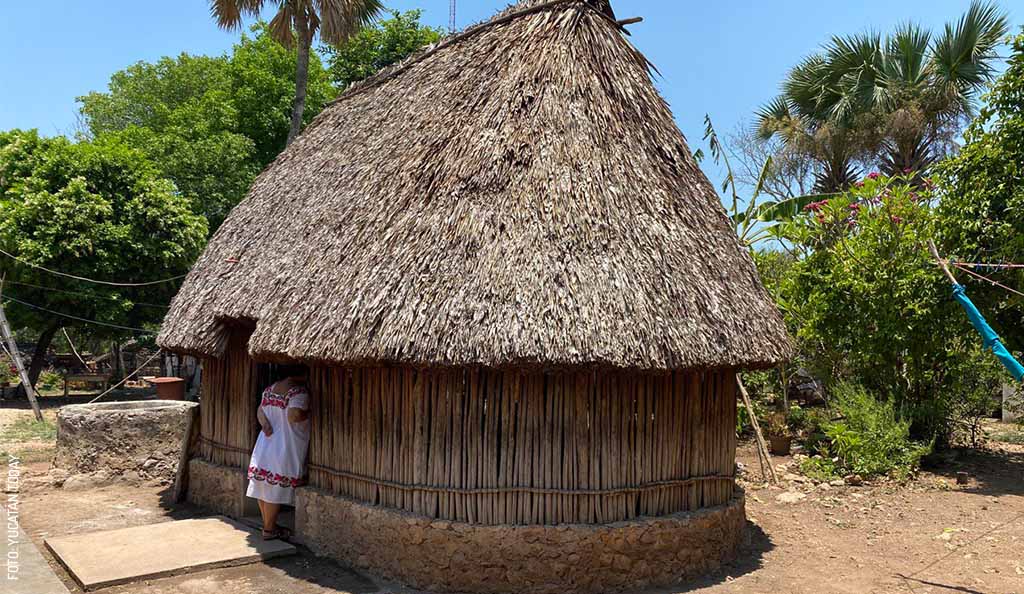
(942, 263)
(12, 346)
(73, 349)
(191, 435)
(762, 447)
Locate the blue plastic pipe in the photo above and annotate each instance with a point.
(988, 334)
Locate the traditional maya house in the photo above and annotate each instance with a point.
(523, 307)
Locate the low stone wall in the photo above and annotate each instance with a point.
(129, 441)
(219, 488)
(443, 556)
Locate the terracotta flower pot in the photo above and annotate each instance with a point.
(780, 444)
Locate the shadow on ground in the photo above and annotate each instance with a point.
(991, 471)
(305, 566)
(749, 560)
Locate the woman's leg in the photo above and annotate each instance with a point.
(270, 511)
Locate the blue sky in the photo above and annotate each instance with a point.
(722, 57)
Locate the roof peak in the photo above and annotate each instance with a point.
(514, 11)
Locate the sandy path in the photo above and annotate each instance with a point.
(930, 536)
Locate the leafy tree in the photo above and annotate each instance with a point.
(295, 25)
(982, 190)
(262, 74)
(92, 209)
(209, 123)
(868, 305)
(902, 98)
(375, 48)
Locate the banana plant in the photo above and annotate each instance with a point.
(756, 221)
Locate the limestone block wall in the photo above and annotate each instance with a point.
(219, 488)
(445, 556)
(122, 440)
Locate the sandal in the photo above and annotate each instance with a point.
(278, 533)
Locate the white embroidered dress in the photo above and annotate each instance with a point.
(278, 461)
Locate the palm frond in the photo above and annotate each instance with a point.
(771, 117)
(341, 19)
(906, 52)
(964, 55)
(807, 88)
(229, 14)
(280, 26)
(855, 73)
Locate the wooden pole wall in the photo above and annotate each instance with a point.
(229, 398)
(496, 447)
(505, 447)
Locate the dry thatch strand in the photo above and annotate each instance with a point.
(518, 196)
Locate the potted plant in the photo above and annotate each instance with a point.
(780, 439)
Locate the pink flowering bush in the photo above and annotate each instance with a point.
(869, 306)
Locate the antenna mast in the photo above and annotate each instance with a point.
(451, 21)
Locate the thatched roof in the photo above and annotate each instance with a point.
(518, 195)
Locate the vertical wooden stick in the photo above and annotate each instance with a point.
(942, 263)
(12, 346)
(762, 448)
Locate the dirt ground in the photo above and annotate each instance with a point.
(930, 535)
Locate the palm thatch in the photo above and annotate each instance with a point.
(518, 195)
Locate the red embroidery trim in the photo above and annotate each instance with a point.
(272, 478)
(276, 400)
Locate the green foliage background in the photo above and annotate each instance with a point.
(93, 209)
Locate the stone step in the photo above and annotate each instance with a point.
(113, 557)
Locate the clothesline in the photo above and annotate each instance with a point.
(959, 266)
(987, 266)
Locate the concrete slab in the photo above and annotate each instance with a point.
(33, 574)
(113, 557)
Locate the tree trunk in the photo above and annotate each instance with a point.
(301, 75)
(116, 360)
(35, 368)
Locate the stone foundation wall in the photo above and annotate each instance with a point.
(129, 441)
(219, 488)
(444, 556)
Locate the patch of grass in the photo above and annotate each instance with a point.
(29, 455)
(1012, 437)
(29, 429)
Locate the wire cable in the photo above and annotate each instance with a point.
(986, 279)
(67, 292)
(86, 320)
(91, 280)
(983, 265)
(127, 377)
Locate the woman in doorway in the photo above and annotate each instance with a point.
(278, 460)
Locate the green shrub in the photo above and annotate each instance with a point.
(869, 439)
(820, 468)
(49, 379)
(7, 375)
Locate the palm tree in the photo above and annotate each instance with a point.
(902, 99)
(300, 20)
(805, 121)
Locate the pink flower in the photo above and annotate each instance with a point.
(897, 219)
(907, 170)
(859, 184)
(816, 206)
(914, 197)
(855, 206)
(873, 175)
